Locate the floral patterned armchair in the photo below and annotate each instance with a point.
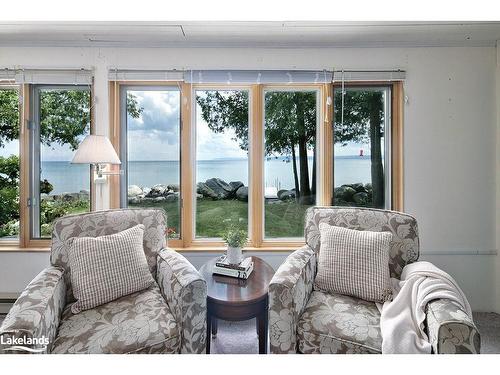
(305, 320)
(169, 317)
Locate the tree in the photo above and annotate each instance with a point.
(290, 127)
(64, 119)
(363, 123)
(64, 116)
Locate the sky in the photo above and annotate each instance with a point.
(155, 134)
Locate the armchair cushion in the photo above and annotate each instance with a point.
(138, 323)
(37, 311)
(334, 323)
(355, 263)
(108, 267)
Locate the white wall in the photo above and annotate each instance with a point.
(449, 141)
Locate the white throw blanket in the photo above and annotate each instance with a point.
(402, 319)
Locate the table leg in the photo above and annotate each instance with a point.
(262, 323)
(209, 329)
(214, 327)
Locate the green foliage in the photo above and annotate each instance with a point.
(9, 210)
(235, 237)
(9, 116)
(359, 107)
(64, 119)
(226, 109)
(51, 210)
(290, 120)
(9, 171)
(133, 108)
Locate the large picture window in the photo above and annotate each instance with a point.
(291, 118)
(254, 156)
(222, 179)
(151, 151)
(61, 119)
(362, 147)
(9, 163)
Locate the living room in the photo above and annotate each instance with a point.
(293, 186)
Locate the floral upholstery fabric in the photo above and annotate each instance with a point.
(450, 329)
(289, 292)
(307, 321)
(102, 223)
(334, 323)
(37, 311)
(186, 293)
(404, 245)
(169, 317)
(138, 323)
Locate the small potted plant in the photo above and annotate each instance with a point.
(235, 239)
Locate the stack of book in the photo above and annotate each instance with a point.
(241, 270)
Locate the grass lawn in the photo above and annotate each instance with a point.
(282, 219)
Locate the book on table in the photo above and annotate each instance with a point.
(242, 266)
(241, 271)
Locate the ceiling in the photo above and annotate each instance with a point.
(249, 34)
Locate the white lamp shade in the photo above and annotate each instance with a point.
(96, 149)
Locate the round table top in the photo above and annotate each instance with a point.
(230, 290)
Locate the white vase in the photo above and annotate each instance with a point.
(234, 255)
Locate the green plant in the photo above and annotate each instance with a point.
(235, 237)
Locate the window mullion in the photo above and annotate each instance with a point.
(187, 184)
(256, 192)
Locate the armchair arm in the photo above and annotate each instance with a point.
(36, 313)
(289, 291)
(185, 291)
(450, 329)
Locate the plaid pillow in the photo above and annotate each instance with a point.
(354, 263)
(108, 267)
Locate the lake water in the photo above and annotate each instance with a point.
(66, 177)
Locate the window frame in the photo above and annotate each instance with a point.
(218, 242)
(123, 152)
(319, 90)
(35, 153)
(25, 241)
(324, 142)
(15, 242)
(388, 128)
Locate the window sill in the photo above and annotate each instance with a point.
(196, 248)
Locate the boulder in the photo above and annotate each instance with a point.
(172, 197)
(345, 192)
(287, 195)
(156, 191)
(203, 189)
(235, 185)
(70, 197)
(361, 198)
(280, 193)
(221, 188)
(242, 194)
(134, 191)
(173, 187)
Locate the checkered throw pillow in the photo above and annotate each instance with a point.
(108, 267)
(354, 263)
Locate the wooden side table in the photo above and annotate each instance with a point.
(234, 299)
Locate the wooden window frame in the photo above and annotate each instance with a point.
(396, 139)
(256, 165)
(25, 242)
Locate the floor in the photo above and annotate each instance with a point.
(241, 337)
